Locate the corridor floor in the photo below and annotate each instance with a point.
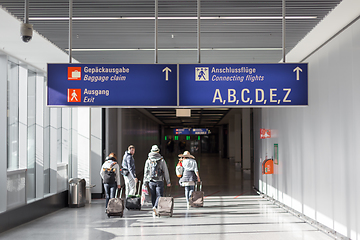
(232, 210)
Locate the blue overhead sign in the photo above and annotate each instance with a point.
(182, 131)
(232, 85)
(200, 131)
(191, 131)
(112, 85)
(161, 85)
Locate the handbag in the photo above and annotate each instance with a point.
(145, 195)
(124, 171)
(179, 169)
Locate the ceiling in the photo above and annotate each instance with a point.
(117, 31)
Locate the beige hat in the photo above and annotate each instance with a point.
(186, 154)
(155, 148)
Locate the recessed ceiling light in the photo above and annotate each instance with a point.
(170, 18)
(171, 49)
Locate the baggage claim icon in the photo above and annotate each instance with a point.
(74, 73)
(74, 94)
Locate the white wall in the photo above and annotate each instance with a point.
(318, 157)
(3, 139)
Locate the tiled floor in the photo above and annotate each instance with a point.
(232, 210)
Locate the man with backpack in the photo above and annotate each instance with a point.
(111, 176)
(155, 172)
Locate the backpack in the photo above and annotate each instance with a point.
(110, 174)
(155, 169)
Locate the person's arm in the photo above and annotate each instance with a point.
(166, 173)
(196, 170)
(117, 167)
(131, 165)
(146, 172)
(102, 172)
(198, 176)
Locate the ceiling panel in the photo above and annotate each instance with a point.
(132, 40)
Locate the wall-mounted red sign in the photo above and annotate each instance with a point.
(268, 166)
(265, 133)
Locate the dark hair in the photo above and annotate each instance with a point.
(130, 147)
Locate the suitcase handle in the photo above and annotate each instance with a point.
(117, 195)
(167, 191)
(139, 182)
(200, 186)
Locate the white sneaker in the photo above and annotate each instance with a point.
(155, 211)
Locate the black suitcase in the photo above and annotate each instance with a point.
(133, 202)
(115, 205)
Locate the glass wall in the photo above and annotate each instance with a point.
(13, 115)
(31, 137)
(46, 145)
(37, 142)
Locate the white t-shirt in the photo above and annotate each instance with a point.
(190, 164)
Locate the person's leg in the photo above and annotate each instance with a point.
(126, 180)
(191, 189)
(152, 187)
(187, 193)
(107, 194)
(132, 185)
(159, 192)
(112, 190)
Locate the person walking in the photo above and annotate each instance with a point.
(129, 172)
(190, 174)
(111, 177)
(155, 171)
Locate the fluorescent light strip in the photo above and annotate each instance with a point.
(166, 18)
(171, 49)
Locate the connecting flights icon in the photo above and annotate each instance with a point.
(201, 74)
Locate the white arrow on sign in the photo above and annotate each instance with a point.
(297, 69)
(166, 70)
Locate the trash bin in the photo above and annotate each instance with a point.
(77, 192)
(88, 193)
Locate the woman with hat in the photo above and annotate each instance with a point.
(190, 175)
(155, 172)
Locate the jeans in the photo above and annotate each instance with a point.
(110, 189)
(188, 192)
(157, 191)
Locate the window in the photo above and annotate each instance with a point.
(13, 116)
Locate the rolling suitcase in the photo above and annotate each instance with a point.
(115, 205)
(133, 202)
(197, 197)
(166, 206)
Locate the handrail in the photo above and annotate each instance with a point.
(16, 171)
